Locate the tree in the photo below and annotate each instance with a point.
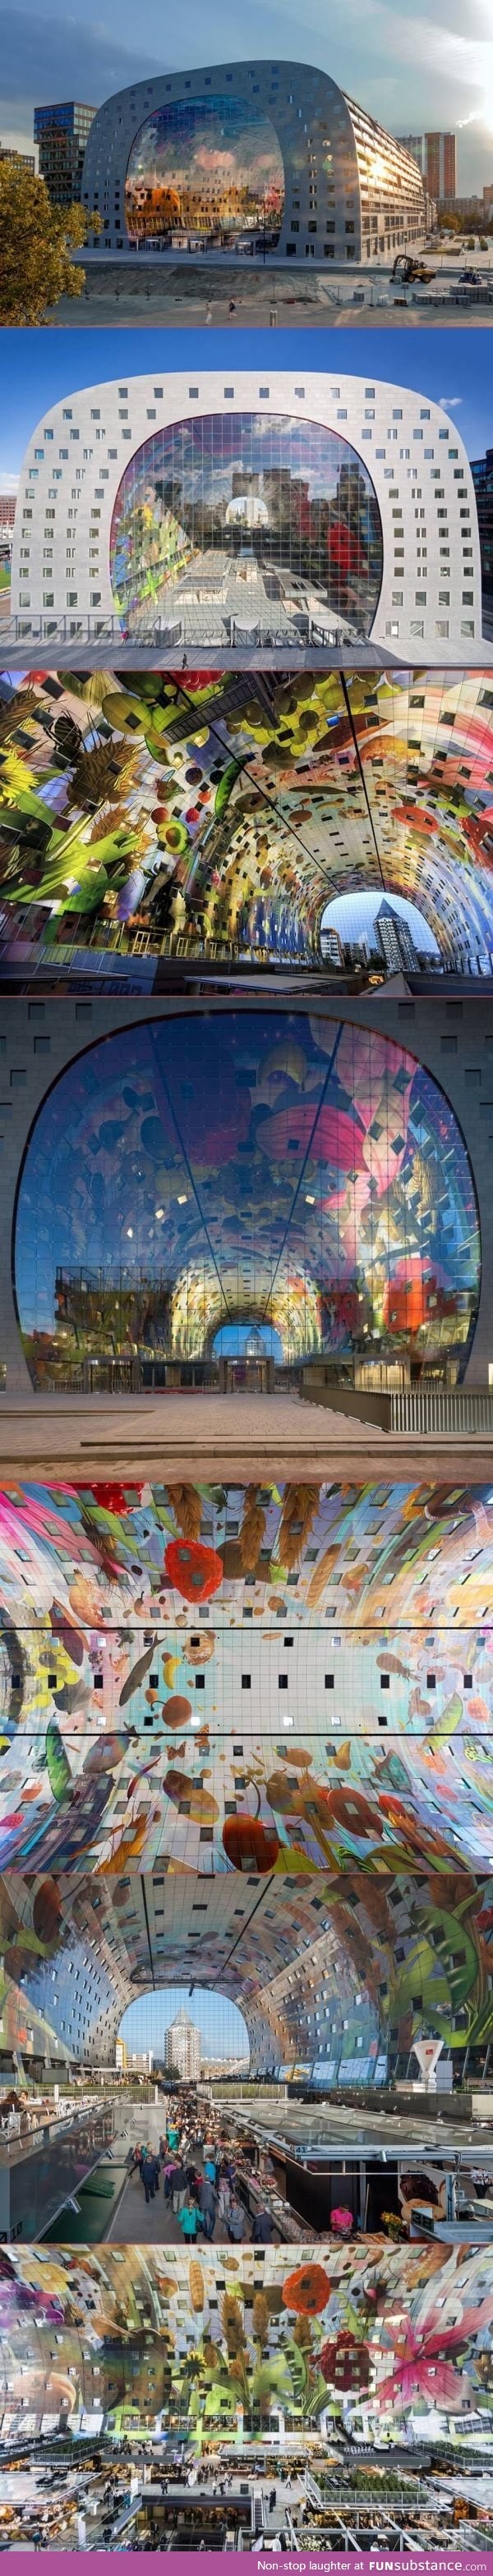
(36, 240)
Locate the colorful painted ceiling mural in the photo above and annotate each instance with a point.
(76, 1952)
(291, 1170)
(211, 166)
(220, 815)
(371, 2337)
(338, 1970)
(228, 1687)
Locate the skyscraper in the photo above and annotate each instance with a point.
(61, 132)
(436, 157)
(395, 939)
(440, 165)
(183, 2047)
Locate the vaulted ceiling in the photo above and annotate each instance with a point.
(222, 814)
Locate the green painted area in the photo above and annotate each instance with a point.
(96, 2200)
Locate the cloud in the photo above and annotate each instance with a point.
(9, 483)
(450, 402)
(409, 62)
(44, 58)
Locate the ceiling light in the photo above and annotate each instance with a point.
(130, 1233)
(159, 1212)
(309, 1199)
(182, 1198)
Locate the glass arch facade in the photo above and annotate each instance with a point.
(208, 167)
(247, 509)
(303, 1172)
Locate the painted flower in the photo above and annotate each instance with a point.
(425, 2357)
(306, 2290)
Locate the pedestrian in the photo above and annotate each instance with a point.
(236, 2223)
(149, 2177)
(263, 2228)
(190, 2218)
(207, 2199)
(223, 2201)
(179, 2189)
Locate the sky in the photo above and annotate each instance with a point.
(353, 916)
(39, 368)
(410, 62)
(222, 2026)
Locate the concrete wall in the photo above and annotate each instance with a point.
(453, 1039)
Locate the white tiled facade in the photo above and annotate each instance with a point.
(430, 598)
(361, 198)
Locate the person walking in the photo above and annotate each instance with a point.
(207, 2200)
(190, 2218)
(149, 2177)
(224, 2201)
(237, 2226)
(179, 2189)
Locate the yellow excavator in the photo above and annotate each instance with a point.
(411, 272)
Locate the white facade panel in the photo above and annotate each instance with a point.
(350, 190)
(430, 597)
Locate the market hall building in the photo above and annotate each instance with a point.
(243, 513)
(263, 159)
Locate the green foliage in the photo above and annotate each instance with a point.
(36, 241)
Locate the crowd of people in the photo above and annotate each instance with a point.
(200, 2178)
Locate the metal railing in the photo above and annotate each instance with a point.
(219, 631)
(459, 1409)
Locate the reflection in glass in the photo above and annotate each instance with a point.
(260, 514)
(208, 167)
(308, 1175)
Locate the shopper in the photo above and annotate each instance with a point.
(190, 2218)
(207, 2199)
(263, 2228)
(237, 2226)
(179, 2188)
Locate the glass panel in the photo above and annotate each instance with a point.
(210, 167)
(246, 516)
(311, 1176)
